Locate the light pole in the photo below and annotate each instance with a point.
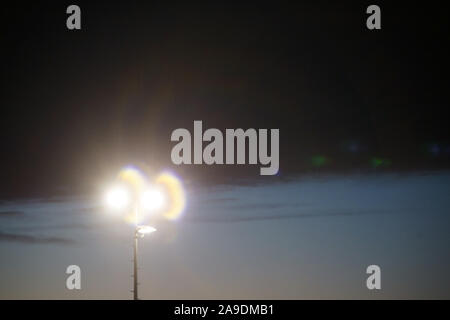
(119, 198)
(139, 232)
(135, 272)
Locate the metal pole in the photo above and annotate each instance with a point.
(135, 273)
(135, 262)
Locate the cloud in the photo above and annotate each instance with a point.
(11, 213)
(266, 206)
(219, 200)
(234, 219)
(22, 238)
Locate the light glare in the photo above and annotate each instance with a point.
(152, 199)
(117, 198)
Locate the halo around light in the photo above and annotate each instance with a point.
(176, 201)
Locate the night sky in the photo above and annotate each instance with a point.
(77, 105)
(364, 145)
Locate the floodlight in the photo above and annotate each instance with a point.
(152, 199)
(145, 229)
(117, 198)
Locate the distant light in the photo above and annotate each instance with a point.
(145, 229)
(152, 199)
(117, 198)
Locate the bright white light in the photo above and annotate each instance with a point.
(152, 199)
(145, 229)
(117, 198)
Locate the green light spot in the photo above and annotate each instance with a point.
(319, 161)
(380, 162)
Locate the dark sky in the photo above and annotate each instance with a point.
(78, 105)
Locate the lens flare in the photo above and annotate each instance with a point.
(133, 177)
(176, 199)
(136, 181)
